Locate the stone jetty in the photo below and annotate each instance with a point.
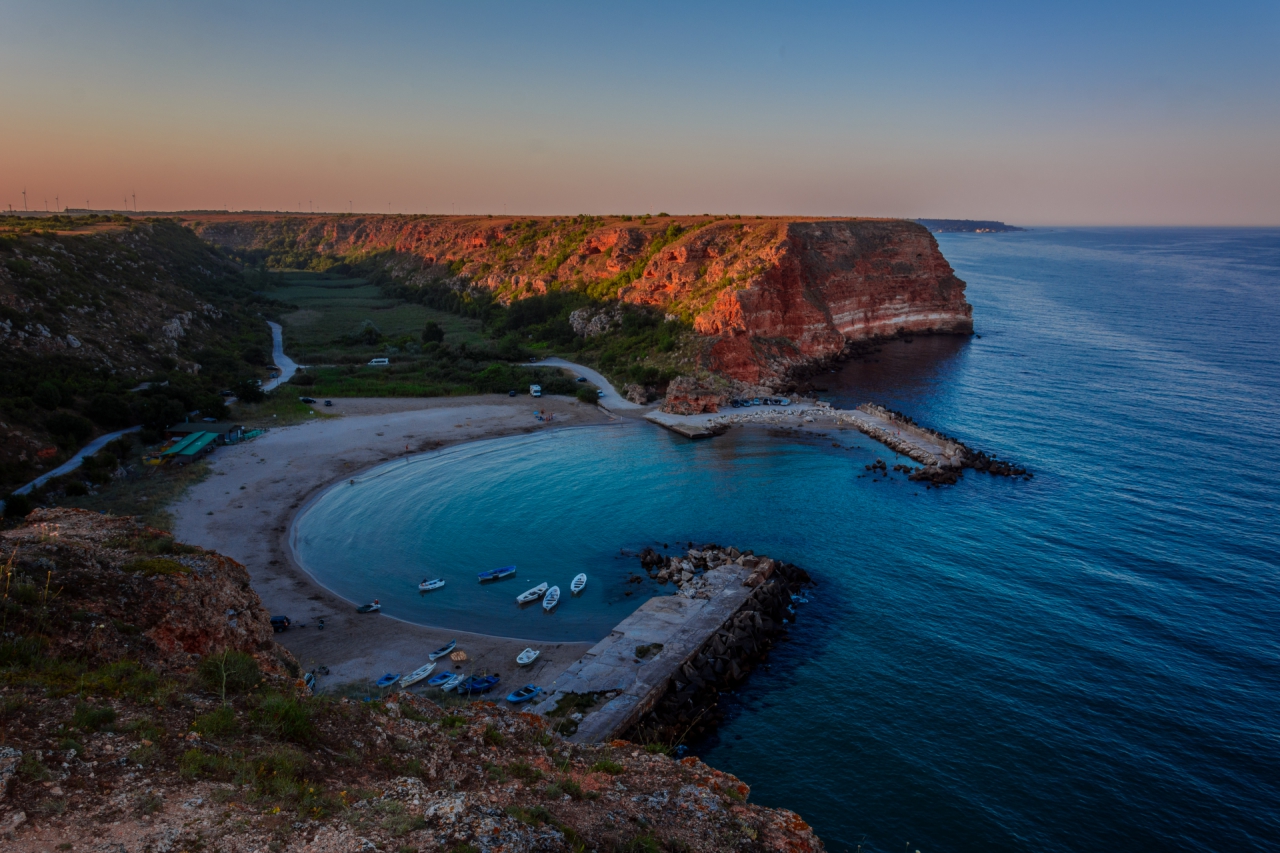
(675, 651)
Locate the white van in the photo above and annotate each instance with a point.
(379, 362)
(535, 390)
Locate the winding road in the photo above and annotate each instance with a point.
(287, 366)
(611, 399)
(74, 462)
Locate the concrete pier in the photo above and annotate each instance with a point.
(681, 624)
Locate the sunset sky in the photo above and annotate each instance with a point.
(1079, 113)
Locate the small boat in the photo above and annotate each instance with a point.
(437, 680)
(389, 679)
(427, 586)
(531, 595)
(524, 694)
(578, 583)
(527, 657)
(454, 681)
(497, 574)
(443, 650)
(551, 599)
(478, 684)
(369, 608)
(417, 675)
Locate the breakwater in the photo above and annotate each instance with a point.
(670, 657)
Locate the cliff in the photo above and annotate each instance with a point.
(768, 297)
(145, 706)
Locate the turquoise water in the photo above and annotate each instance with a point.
(1085, 661)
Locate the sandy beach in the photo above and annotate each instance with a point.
(245, 508)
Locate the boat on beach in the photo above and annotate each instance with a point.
(427, 586)
(443, 650)
(532, 594)
(369, 608)
(524, 694)
(551, 599)
(454, 681)
(437, 680)
(527, 657)
(389, 679)
(478, 684)
(417, 675)
(496, 574)
(579, 582)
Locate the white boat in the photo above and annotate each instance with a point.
(443, 650)
(531, 595)
(578, 583)
(417, 675)
(453, 682)
(527, 657)
(551, 599)
(427, 586)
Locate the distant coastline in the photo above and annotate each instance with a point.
(972, 226)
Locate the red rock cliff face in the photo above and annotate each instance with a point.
(768, 295)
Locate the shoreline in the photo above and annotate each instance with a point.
(246, 508)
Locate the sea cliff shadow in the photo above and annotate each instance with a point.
(906, 375)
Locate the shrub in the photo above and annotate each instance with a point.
(524, 772)
(229, 671)
(21, 651)
(604, 765)
(432, 332)
(216, 723)
(587, 394)
(493, 737)
(196, 764)
(306, 380)
(123, 678)
(47, 396)
(90, 719)
(17, 506)
(284, 718)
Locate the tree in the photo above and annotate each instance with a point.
(432, 332)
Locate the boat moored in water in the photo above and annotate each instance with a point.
(428, 585)
(579, 582)
(532, 594)
(551, 599)
(496, 574)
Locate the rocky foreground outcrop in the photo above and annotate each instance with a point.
(769, 296)
(144, 706)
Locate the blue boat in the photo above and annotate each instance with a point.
(478, 684)
(389, 679)
(437, 680)
(524, 694)
(497, 574)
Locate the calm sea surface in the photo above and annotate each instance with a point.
(1086, 661)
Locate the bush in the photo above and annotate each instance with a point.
(17, 506)
(432, 332)
(216, 723)
(91, 719)
(21, 651)
(69, 430)
(604, 765)
(109, 411)
(47, 396)
(248, 392)
(230, 671)
(587, 394)
(306, 380)
(284, 718)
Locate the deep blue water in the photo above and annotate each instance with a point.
(1086, 661)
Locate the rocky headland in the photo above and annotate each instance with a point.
(144, 705)
(768, 297)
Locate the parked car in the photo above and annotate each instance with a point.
(600, 392)
(512, 393)
(328, 402)
(535, 390)
(280, 623)
(227, 393)
(582, 379)
(307, 400)
(379, 362)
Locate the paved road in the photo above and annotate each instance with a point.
(287, 366)
(74, 462)
(611, 399)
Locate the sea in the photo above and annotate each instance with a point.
(1085, 660)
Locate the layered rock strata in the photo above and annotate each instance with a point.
(769, 297)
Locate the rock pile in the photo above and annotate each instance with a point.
(689, 705)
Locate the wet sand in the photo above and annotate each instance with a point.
(245, 508)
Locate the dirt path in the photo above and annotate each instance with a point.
(244, 510)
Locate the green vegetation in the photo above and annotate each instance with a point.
(152, 566)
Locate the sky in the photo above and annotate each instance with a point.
(1080, 113)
